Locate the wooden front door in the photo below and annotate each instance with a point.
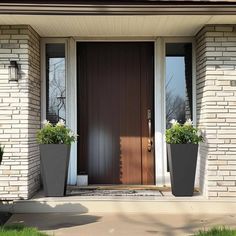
(115, 112)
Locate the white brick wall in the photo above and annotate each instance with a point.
(19, 112)
(216, 109)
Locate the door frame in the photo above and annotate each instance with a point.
(161, 56)
(161, 174)
(71, 111)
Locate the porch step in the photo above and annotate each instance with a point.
(164, 205)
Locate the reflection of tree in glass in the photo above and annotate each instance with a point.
(57, 88)
(175, 105)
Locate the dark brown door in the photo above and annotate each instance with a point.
(115, 95)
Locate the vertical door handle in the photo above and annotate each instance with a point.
(149, 119)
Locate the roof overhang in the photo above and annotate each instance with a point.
(123, 18)
(116, 26)
(154, 7)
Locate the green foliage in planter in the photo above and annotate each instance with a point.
(55, 134)
(183, 134)
(1, 153)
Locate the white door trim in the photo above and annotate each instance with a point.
(159, 95)
(161, 174)
(71, 115)
(176, 40)
(71, 109)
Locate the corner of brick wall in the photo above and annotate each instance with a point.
(19, 112)
(216, 109)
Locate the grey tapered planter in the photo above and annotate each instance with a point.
(182, 160)
(54, 168)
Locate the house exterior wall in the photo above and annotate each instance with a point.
(19, 112)
(216, 109)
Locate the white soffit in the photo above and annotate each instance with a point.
(116, 26)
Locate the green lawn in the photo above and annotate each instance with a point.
(219, 231)
(19, 230)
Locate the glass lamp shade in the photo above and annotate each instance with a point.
(13, 71)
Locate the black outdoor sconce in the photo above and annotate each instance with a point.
(13, 71)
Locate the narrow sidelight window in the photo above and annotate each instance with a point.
(178, 83)
(55, 82)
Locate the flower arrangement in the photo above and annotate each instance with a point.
(55, 134)
(183, 134)
(1, 153)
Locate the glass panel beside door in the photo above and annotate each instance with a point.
(55, 82)
(178, 82)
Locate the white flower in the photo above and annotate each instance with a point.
(60, 123)
(199, 133)
(71, 134)
(174, 122)
(188, 122)
(46, 123)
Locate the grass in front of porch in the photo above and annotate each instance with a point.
(217, 231)
(19, 230)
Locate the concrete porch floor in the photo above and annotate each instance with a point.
(162, 202)
(122, 224)
(88, 214)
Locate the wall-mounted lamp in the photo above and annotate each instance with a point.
(13, 71)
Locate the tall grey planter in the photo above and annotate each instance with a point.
(54, 168)
(182, 163)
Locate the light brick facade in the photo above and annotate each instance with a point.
(216, 109)
(19, 112)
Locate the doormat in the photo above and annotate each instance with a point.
(100, 192)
